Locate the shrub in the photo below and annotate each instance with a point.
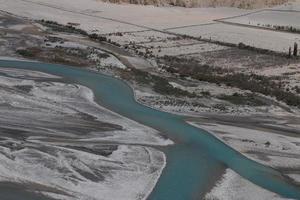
(25, 53)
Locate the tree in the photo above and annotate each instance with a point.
(295, 49)
(290, 52)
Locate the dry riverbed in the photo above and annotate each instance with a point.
(56, 141)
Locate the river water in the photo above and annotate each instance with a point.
(192, 161)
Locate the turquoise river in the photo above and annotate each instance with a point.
(196, 156)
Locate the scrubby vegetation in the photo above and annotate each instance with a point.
(97, 37)
(70, 28)
(283, 28)
(243, 99)
(245, 4)
(255, 83)
(27, 52)
(158, 84)
(69, 56)
(54, 26)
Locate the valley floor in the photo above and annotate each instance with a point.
(164, 61)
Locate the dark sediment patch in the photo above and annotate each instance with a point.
(13, 191)
(13, 133)
(94, 177)
(103, 150)
(24, 88)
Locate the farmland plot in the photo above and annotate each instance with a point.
(269, 18)
(265, 39)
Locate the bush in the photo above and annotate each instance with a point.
(159, 84)
(243, 99)
(252, 82)
(62, 28)
(25, 53)
(97, 37)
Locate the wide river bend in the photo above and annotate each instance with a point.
(196, 156)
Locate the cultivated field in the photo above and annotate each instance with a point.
(269, 19)
(265, 39)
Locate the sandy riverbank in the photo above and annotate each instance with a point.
(270, 140)
(56, 140)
